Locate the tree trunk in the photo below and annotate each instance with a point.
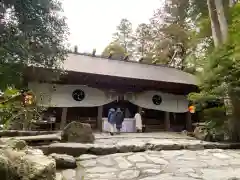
(234, 123)
(216, 32)
(222, 20)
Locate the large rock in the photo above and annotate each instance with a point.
(64, 161)
(19, 162)
(200, 133)
(78, 132)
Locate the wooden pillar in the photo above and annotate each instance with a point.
(167, 123)
(63, 118)
(99, 118)
(188, 122)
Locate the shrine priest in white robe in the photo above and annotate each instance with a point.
(138, 120)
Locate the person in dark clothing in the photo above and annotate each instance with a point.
(112, 120)
(119, 117)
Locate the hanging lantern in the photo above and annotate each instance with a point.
(28, 99)
(192, 109)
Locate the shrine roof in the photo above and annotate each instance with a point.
(126, 69)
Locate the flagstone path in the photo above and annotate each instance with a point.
(211, 164)
(154, 156)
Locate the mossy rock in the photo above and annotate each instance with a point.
(19, 162)
(78, 132)
(7, 171)
(16, 144)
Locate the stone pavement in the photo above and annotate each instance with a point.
(105, 138)
(211, 164)
(134, 142)
(157, 135)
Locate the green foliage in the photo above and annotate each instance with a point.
(176, 11)
(222, 71)
(143, 40)
(14, 113)
(115, 49)
(124, 35)
(220, 80)
(216, 115)
(201, 97)
(198, 10)
(204, 26)
(33, 34)
(215, 120)
(172, 26)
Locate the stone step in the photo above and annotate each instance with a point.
(13, 133)
(77, 149)
(47, 138)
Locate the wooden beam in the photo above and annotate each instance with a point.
(99, 118)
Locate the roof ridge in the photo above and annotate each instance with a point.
(130, 61)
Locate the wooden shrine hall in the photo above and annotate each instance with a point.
(91, 85)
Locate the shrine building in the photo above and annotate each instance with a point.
(91, 85)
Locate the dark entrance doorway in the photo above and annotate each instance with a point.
(178, 121)
(153, 120)
(127, 107)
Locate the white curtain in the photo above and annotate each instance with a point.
(50, 95)
(170, 102)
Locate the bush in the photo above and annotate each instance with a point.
(14, 113)
(216, 114)
(216, 123)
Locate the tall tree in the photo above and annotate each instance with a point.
(216, 33)
(124, 35)
(218, 13)
(115, 50)
(222, 19)
(143, 39)
(31, 33)
(171, 29)
(220, 75)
